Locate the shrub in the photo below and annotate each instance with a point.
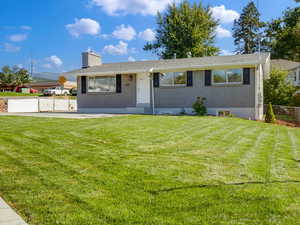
(199, 107)
(277, 89)
(270, 117)
(296, 100)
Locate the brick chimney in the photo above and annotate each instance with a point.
(90, 58)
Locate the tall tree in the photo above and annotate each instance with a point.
(283, 35)
(246, 30)
(184, 29)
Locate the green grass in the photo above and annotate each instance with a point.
(150, 170)
(12, 94)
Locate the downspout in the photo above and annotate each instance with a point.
(152, 91)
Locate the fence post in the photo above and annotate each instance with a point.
(297, 110)
(53, 107)
(39, 108)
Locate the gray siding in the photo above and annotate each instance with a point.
(217, 96)
(127, 98)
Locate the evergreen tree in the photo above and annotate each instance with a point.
(246, 30)
(270, 117)
(184, 29)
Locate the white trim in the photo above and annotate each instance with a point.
(227, 82)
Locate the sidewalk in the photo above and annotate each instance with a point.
(8, 215)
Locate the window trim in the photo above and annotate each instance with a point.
(228, 83)
(173, 85)
(94, 92)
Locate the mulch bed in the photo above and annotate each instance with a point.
(288, 123)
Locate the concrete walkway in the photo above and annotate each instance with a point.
(8, 215)
(66, 115)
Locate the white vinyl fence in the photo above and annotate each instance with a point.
(41, 104)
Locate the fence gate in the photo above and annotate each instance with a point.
(57, 104)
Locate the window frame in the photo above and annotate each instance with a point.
(173, 79)
(105, 76)
(226, 77)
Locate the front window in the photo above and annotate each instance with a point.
(102, 84)
(173, 79)
(233, 76)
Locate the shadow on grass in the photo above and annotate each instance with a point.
(223, 184)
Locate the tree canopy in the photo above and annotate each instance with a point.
(283, 36)
(246, 30)
(14, 76)
(184, 29)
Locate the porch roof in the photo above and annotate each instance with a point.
(173, 64)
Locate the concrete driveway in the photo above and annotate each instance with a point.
(67, 115)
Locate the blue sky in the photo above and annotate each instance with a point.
(55, 32)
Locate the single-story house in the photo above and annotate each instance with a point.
(229, 83)
(292, 67)
(42, 85)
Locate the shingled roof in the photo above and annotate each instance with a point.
(171, 64)
(284, 64)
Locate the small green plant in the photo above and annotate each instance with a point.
(199, 107)
(270, 117)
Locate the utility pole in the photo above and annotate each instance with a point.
(31, 64)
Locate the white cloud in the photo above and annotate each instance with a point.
(223, 14)
(144, 7)
(53, 61)
(131, 59)
(104, 36)
(11, 48)
(18, 37)
(226, 52)
(147, 35)
(26, 27)
(222, 32)
(119, 49)
(124, 33)
(83, 26)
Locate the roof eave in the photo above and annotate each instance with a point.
(165, 69)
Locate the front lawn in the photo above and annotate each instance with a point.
(150, 170)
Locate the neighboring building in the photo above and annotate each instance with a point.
(229, 83)
(42, 85)
(292, 67)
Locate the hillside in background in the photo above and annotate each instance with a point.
(48, 76)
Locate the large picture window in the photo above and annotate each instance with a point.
(173, 79)
(102, 84)
(233, 76)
